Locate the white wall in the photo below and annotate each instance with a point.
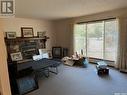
(15, 24)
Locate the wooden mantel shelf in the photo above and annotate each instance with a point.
(29, 38)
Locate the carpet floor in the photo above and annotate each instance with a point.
(82, 81)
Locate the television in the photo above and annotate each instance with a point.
(57, 52)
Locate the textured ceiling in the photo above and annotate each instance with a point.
(59, 9)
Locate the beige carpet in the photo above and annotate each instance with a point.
(81, 81)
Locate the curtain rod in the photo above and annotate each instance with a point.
(95, 20)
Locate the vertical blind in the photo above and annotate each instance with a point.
(97, 39)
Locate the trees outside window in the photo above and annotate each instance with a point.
(97, 39)
(80, 38)
(111, 40)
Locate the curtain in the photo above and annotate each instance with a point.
(122, 65)
(122, 46)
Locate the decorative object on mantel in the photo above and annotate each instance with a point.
(27, 31)
(16, 56)
(41, 34)
(11, 35)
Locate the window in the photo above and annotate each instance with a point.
(80, 38)
(111, 39)
(97, 39)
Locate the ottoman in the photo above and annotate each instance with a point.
(102, 68)
(102, 71)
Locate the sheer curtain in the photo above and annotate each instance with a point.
(122, 46)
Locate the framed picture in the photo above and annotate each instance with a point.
(27, 31)
(41, 34)
(14, 48)
(11, 35)
(16, 56)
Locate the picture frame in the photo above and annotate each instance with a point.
(14, 48)
(41, 34)
(27, 32)
(11, 35)
(16, 56)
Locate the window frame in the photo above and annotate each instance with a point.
(104, 34)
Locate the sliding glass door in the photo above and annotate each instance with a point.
(111, 39)
(80, 38)
(95, 33)
(97, 39)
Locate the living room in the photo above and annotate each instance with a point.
(59, 21)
